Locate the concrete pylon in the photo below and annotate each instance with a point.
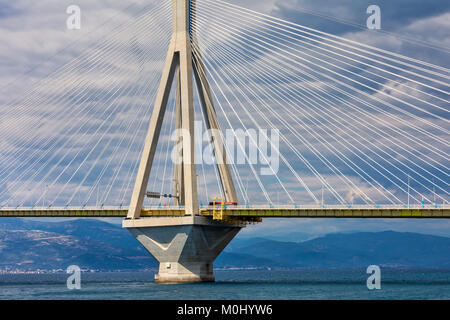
(184, 246)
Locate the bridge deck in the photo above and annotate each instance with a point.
(244, 212)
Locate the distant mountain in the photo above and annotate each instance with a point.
(354, 250)
(86, 228)
(93, 244)
(89, 243)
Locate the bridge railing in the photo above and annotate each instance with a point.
(349, 206)
(240, 207)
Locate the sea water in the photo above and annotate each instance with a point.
(238, 284)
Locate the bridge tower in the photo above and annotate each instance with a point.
(184, 246)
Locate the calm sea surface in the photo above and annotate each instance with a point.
(255, 284)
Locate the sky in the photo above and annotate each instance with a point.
(34, 41)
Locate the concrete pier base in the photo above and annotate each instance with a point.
(185, 248)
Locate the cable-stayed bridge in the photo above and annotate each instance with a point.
(247, 116)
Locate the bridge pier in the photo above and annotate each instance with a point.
(184, 247)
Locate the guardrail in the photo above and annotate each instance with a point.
(234, 207)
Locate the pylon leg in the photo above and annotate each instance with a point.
(187, 121)
(154, 131)
(212, 124)
(178, 165)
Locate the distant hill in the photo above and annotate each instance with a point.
(88, 243)
(86, 228)
(353, 250)
(93, 244)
